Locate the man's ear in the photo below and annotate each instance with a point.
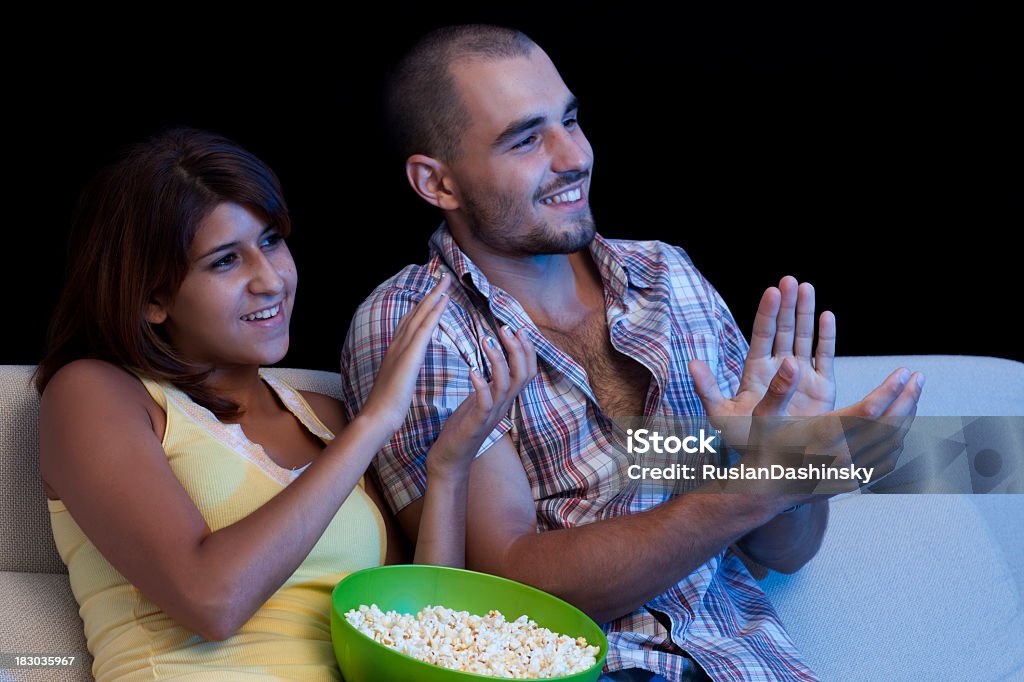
(432, 181)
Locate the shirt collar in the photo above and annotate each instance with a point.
(619, 269)
(443, 244)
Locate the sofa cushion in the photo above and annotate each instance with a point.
(25, 537)
(47, 622)
(905, 587)
(955, 385)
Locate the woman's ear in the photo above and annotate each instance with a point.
(156, 312)
(431, 179)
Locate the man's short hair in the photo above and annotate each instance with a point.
(425, 114)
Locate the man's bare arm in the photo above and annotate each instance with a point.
(788, 541)
(588, 565)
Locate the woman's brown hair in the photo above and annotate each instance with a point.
(131, 230)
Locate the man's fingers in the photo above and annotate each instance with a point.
(780, 390)
(906, 402)
(804, 341)
(785, 322)
(825, 353)
(880, 446)
(707, 386)
(763, 336)
(877, 402)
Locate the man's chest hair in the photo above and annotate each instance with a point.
(619, 382)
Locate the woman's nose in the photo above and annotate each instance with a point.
(265, 277)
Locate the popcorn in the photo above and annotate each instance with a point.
(486, 645)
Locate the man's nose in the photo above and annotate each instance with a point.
(570, 152)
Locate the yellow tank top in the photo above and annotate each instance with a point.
(228, 477)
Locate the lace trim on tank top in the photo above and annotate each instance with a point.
(234, 437)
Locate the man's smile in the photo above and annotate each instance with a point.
(571, 195)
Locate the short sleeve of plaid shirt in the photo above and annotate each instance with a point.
(734, 349)
(441, 387)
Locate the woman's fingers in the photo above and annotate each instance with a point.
(484, 399)
(508, 377)
(531, 354)
(425, 310)
(517, 360)
(499, 368)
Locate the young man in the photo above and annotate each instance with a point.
(622, 329)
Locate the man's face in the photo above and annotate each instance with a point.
(523, 177)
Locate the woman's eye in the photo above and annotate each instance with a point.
(225, 261)
(570, 123)
(272, 240)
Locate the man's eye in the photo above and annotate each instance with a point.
(526, 142)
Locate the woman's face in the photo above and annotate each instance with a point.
(235, 304)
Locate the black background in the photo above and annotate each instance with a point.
(868, 150)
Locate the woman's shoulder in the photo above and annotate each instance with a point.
(328, 410)
(83, 405)
(89, 385)
(88, 375)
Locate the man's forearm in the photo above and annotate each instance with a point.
(612, 567)
(788, 541)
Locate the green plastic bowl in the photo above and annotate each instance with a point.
(409, 588)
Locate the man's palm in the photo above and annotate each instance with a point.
(784, 327)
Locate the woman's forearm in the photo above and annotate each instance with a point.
(442, 533)
(239, 567)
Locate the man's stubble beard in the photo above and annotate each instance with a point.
(504, 226)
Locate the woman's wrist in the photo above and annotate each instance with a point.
(367, 427)
(446, 469)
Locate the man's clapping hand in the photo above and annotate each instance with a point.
(783, 328)
(782, 379)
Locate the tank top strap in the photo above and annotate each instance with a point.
(156, 391)
(297, 405)
(290, 397)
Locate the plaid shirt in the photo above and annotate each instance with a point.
(662, 313)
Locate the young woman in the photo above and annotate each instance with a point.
(206, 509)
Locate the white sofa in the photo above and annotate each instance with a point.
(906, 587)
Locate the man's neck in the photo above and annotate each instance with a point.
(555, 290)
